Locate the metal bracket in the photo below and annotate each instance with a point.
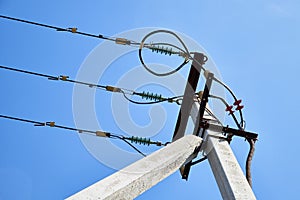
(185, 170)
(188, 98)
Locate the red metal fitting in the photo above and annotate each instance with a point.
(239, 107)
(229, 109)
(237, 102)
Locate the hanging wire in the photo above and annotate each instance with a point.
(249, 161)
(137, 140)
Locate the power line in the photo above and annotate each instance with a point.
(156, 98)
(122, 41)
(137, 140)
(72, 30)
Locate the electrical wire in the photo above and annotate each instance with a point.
(108, 88)
(249, 161)
(90, 132)
(50, 124)
(72, 30)
(50, 77)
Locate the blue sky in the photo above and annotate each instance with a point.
(254, 45)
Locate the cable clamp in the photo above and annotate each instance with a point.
(122, 41)
(63, 78)
(102, 134)
(73, 29)
(51, 124)
(113, 89)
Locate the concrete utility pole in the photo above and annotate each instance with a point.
(230, 178)
(138, 177)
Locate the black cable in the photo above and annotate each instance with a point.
(53, 77)
(107, 88)
(122, 41)
(52, 124)
(28, 72)
(22, 120)
(249, 161)
(38, 123)
(100, 36)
